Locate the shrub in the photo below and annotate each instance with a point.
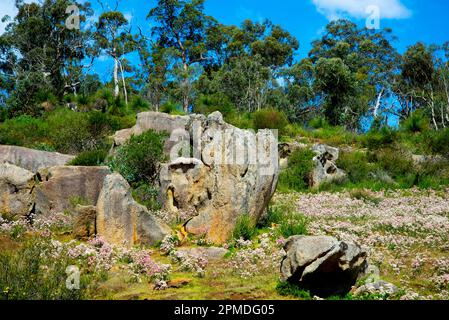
(139, 159)
(28, 274)
(90, 158)
(376, 139)
(439, 142)
(23, 131)
(319, 123)
(416, 122)
(288, 222)
(146, 194)
(293, 224)
(139, 104)
(171, 108)
(69, 131)
(244, 228)
(270, 119)
(395, 161)
(356, 165)
(285, 288)
(297, 176)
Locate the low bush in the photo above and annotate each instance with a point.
(147, 194)
(297, 175)
(30, 274)
(244, 228)
(285, 288)
(23, 131)
(139, 159)
(90, 158)
(270, 119)
(377, 139)
(417, 122)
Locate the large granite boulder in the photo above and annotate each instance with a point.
(121, 220)
(323, 265)
(231, 172)
(32, 160)
(325, 169)
(16, 191)
(64, 187)
(159, 122)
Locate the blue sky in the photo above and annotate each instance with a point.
(411, 20)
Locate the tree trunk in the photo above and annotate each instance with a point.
(125, 91)
(185, 100)
(377, 106)
(116, 85)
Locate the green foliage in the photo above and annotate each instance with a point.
(287, 221)
(319, 123)
(285, 288)
(418, 122)
(139, 159)
(244, 228)
(356, 165)
(90, 158)
(297, 176)
(439, 142)
(29, 274)
(147, 194)
(376, 139)
(270, 119)
(139, 104)
(23, 131)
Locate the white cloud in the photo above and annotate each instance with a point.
(334, 9)
(7, 7)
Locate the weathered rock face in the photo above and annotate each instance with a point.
(16, 186)
(62, 186)
(85, 224)
(323, 265)
(121, 220)
(232, 172)
(159, 122)
(325, 168)
(32, 160)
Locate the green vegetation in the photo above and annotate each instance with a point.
(28, 274)
(139, 159)
(285, 288)
(297, 176)
(90, 158)
(244, 228)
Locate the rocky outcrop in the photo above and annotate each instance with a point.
(325, 169)
(323, 265)
(16, 191)
(32, 160)
(234, 172)
(230, 172)
(159, 122)
(63, 187)
(121, 220)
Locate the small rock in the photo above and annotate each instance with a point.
(323, 265)
(178, 283)
(380, 287)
